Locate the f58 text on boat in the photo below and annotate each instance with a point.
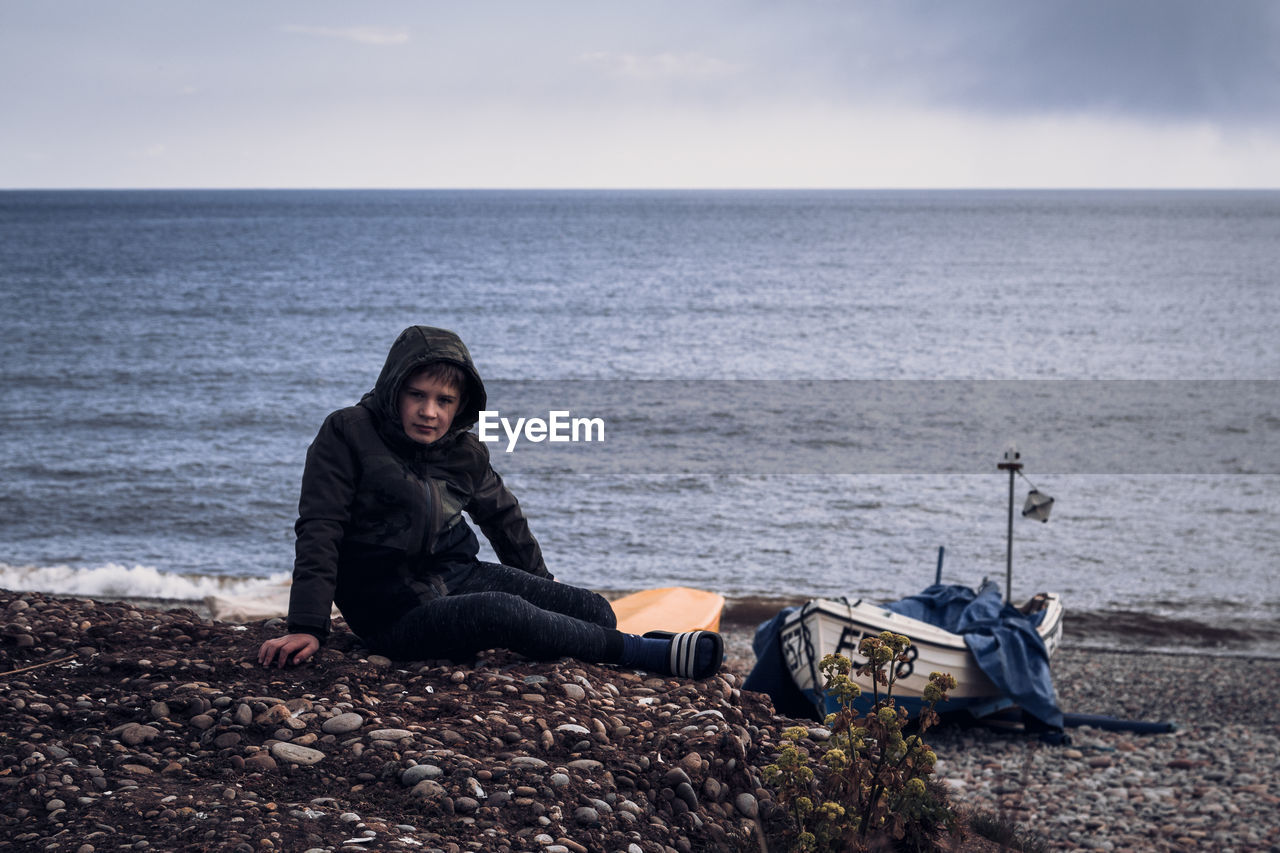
(558, 426)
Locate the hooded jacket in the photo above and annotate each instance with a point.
(380, 515)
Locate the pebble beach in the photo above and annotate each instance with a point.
(126, 727)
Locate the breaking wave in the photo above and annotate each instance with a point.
(113, 580)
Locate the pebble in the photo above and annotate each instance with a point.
(294, 754)
(136, 734)
(167, 725)
(417, 773)
(1158, 787)
(428, 789)
(389, 734)
(528, 761)
(342, 723)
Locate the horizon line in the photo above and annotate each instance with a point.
(1044, 188)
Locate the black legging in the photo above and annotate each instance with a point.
(495, 606)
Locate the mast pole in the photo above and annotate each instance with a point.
(1012, 467)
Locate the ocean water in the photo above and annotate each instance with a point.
(802, 393)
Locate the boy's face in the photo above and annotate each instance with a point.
(427, 407)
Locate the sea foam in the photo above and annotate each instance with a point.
(119, 581)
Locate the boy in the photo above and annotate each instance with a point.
(380, 534)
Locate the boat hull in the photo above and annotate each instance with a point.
(825, 626)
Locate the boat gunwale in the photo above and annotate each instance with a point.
(945, 639)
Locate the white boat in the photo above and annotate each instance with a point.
(824, 626)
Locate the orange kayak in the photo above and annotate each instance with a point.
(671, 608)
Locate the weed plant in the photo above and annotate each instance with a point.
(870, 782)
(1007, 834)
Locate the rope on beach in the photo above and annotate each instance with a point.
(38, 665)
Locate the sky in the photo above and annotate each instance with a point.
(654, 94)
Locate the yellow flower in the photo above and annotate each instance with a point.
(838, 664)
(944, 680)
(831, 811)
(836, 759)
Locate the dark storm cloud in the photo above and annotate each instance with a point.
(1152, 59)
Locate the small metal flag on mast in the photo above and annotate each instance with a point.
(1037, 507)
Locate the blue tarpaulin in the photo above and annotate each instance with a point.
(1003, 641)
(1002, 638)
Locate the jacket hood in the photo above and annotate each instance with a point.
(415, 347)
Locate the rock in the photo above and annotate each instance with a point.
(389, 734)
(586, 816)
(294, 754)
(274, 716)
(685, 792)
(495, 730)
(342, 724)
(226, 739)
(135, 734)
(413, 775)
(427, 789)
(528, 761)
(675, 776)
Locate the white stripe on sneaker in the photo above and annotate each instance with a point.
(684, 653)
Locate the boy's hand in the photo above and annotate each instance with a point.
(291, 648)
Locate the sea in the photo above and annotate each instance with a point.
(776, 395)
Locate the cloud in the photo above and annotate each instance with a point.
(1161, 60)
(660, 66)
(380, 36)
